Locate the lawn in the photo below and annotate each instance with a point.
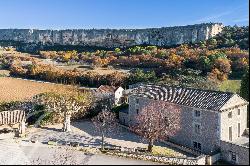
(12, 89)
(230, 86)
(158, 150)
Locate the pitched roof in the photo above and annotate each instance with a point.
(197, 98)
(107, 89)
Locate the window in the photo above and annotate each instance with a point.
(238, 129)
(137, 111)
(197, 145)
(167, 121)
(233, 156)
(238, 111)
(230, 133)
(197, 128)
(197, 113)
(137, 101)
(230, 114)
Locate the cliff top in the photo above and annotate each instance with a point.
(182, 26)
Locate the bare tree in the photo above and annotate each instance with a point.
(157, 121)
(105, 122)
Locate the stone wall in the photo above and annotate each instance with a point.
(227, 122)
(123, 118)
(209, 136)
(242, 153)
(113, 37)
(200, 160)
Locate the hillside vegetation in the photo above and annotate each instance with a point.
(201, 65)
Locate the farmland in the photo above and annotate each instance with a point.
(12, 89)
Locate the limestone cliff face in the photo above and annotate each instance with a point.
(113, 37)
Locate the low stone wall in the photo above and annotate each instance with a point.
(180, 147)
(200, 160)
(242, 153)
(213, 159)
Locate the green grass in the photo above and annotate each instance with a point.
(230, 86)
(158, 150)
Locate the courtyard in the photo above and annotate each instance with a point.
(34, 148)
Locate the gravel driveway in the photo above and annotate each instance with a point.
(84, 133)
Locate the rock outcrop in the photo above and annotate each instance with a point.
(113, 37)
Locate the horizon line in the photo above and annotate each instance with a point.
(116, 28)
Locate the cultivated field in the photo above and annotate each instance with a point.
(12, 89)
(87, 68)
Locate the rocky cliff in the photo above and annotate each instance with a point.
(113, 37)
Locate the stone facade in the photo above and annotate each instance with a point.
(230, 117)
(123, 118)
(241, 153)
(208, 138)
(213, 124)
(114, 37)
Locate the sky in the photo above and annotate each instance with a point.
(119, 14)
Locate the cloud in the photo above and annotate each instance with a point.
(217, 16)
(241, 20)
(212, 17)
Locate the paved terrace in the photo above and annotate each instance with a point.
(84, 133)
